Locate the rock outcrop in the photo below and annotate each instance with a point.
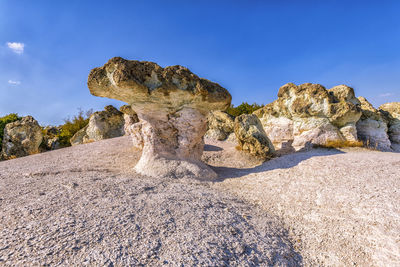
(130, 118)
(392, 114)
(21, 138)
(219, 125)
(51, 140)
(308, 115)
(372, 127)
(172, 104)
(252, 137)
(102, 125)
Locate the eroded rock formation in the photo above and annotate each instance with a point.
(220, 125)
(21, 138)
(102, 125)
(308, 115)
(392, 114)
(130, 118)
(252, 137)
(172, 104)
(372, 127)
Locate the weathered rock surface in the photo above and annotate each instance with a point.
(50, 139)
(102, 125)
(172, 104)
(21, 138)
(220, 125)
(392, 115)
(308, 115)
(130, 118)
(252, 137)
(372, 127)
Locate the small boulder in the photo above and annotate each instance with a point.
(252, 137)
(50, 139)
(220, 125)
(372, 127)
(102, 125)
(21, 138)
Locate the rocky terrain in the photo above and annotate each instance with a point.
(288, 185)
(86, 205)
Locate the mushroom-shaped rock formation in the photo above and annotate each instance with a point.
(372, 127)
(309, 114)
(172, 104)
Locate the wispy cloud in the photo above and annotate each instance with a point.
(17, 48)
(386, 94)
(14, 82)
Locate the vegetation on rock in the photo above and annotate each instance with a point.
(244, 108)
(5, 120)
(72, 126)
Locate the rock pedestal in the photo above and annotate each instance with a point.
(172, 104)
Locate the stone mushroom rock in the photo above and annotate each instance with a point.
(102, 125)
(172, 104)
(220, 125)
(309, 114)
(21, 138)
(372, 127)
(252, 137)
(392, 115)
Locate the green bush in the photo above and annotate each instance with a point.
(3, 121)
(243, 108)
(71, 126)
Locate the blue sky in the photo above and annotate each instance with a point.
(47, 48)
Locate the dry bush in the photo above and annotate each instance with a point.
(340, 144)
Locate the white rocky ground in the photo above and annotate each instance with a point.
(85, 205)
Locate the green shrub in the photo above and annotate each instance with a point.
(3, 121)
(243, 108)
(71, 126)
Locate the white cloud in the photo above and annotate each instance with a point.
(14, 82)
(17, 48)
(386, 95)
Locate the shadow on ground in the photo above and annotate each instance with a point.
(282, 162)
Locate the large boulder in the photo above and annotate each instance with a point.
(102, 125)
(252, 137)
(392, 115)
(308, 115)
(372, 127)
(21, 138)
(219, 125)
(172, 104)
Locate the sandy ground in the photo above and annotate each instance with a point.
(341, 206)
(85, 205)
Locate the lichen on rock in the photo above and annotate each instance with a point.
(172, 104)
(309, 114)
(21, 138)
(252, 137)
